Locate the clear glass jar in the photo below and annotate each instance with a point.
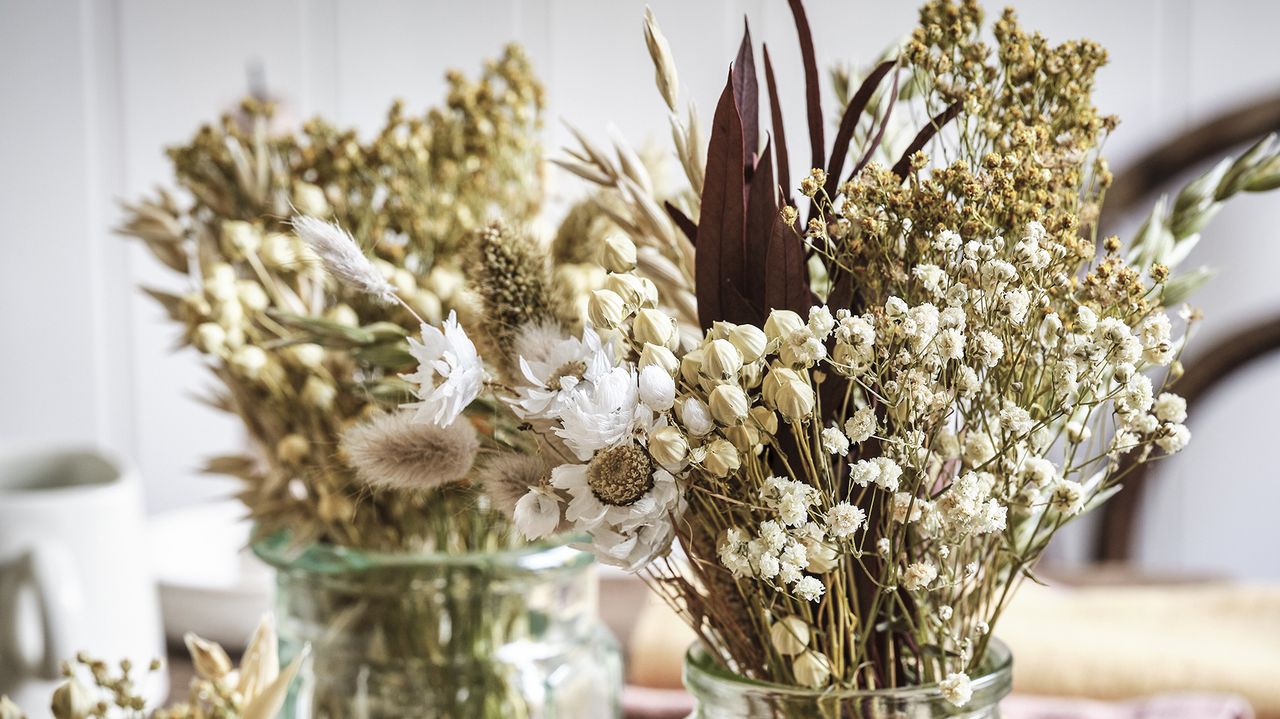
(720, 694)
(511, 634)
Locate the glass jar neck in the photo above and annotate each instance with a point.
(722, 694)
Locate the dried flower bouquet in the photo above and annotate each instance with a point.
(406, 596)
(893, 387)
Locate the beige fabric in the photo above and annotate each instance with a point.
(1102, 643)
(1120, 642)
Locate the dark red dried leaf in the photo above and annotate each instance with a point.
(781, 161)
(924, 136)
(719, 262)
(874, 144)
(746, 92)
(849, 122)
(686, 225)
(812, 84)
(786, 280)
(762, 213)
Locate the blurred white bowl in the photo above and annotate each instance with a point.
(210, 582)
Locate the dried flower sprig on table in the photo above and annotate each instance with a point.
(256, 690)
(299, 359)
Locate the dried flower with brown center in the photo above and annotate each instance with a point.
(574, 368)
(620, 475)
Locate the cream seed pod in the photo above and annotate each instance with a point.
(749, 340)
(210, 338)
(729, 404)
(721, 361)
(606, 309)
(637, 291)
(240, 239)
(309, 199)
(655, 327)
(780, 325)
(306, 354)
(790, 636)
(765, 419)
(812, 669)
(691, 367)
(789, 394)
(618, 253)
(721, 458)
(745, 438)
(292, 449)
(72, 700)
(653, 354)
(669, 448)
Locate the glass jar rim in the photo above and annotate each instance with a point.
(703, 673)
(280, 551)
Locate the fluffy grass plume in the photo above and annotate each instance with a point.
(391, 451)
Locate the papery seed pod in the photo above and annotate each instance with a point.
(669, 448)
(790, 635)
(210, 659)
(749, 340)
(606, 309)
(618, 253)
(812, 670)
(661, 356)
(721, 458)
(721, 360)
(654, 327)
(780, 325)
(729, 404)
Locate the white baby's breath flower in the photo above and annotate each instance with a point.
(1174, 438)
(861, 425)
(919, 575)
(844, 519)
(956, 688)
(809, 588)
(450, 374)
(1170, 407)
(537, 514)
(834, 441)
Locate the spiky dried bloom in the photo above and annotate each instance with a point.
(343, 258)
(508, 477)
(511, 275)
(392, 451)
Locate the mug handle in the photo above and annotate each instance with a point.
(50, 571)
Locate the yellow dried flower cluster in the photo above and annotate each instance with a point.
(300, 358)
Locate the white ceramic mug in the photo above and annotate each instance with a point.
(74, 571)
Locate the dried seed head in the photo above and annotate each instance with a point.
(620, 475)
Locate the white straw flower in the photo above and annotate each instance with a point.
(657, 388)
(450, 374)
(537, 514)
(557, 371)
(342, 257)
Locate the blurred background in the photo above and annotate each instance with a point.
(92, 91)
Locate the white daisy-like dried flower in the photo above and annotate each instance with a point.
(450, 374)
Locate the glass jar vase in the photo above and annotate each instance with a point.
(721, 694)
(511, 634)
